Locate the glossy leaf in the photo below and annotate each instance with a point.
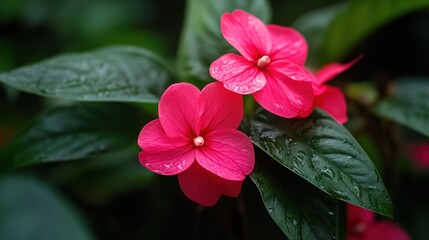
(201, 40)
(410, 104)
(30, 209)
(349, 27)
(312, 25)
(73, 132)
(121, 73)
(300, 210)
(324, 153)
(104, 177)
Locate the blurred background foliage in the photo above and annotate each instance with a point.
(110, 196)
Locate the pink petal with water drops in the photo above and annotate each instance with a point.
(332, 100)
(287, 44)
(237, 74)
(153, 137)
(246, 33)
(204, 187)
(162, 154)
(288, 90)
(180, 108)
(222, 108)
(227, 153)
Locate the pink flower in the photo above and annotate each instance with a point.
(271, 66)
(331, 99)
(362, 225)
(385, 230)
(358, 220)
(196, 137)
(419, 154)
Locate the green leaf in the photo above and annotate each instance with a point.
(73, 132)
(201, 40)
(312, 25)
(104, 177)
(121, 73)
(325, 154)
(410, 104)
(299, 209)
(30, 209)
(359, 20)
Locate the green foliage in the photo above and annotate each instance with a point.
(123, 73)
(312, 26)
(409, 105)
(71, 132)
(30, 209)
(325, 154)
(360, 19)
(300, 210)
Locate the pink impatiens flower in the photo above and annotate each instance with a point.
(196, 137)
(362, 225)
(271, 67)
(331, 99)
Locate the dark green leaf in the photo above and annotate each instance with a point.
(299, 209)
(104, 177)
(201, 41)
(312, 26)
(410, 104)
(73, 132)
(121, 73)
(359, 20)
(324, 153)
(32, 210)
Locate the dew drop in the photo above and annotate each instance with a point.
(358, 191)
(341, 193)
(327, 172)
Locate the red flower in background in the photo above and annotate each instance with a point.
(362, 225)
(271, 67)
(419, 154)
(196, 137)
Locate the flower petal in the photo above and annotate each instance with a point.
(246, 33)
(358, 217)
(288, 91)
(162, 154)
(205, 188)
(222, 108)
(180, 108)
(153, 137)
(287, 44)
(385, 230)
(228, 153)
(419, 153)
(331, 70)
(332, 100)
(237, 74)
